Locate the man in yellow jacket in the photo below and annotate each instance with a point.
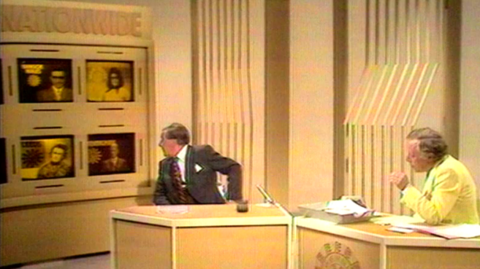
(449, 194)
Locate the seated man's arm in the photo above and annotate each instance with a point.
(435, 204)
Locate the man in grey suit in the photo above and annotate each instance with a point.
(197, 176)
(115, 163)
(58, 92)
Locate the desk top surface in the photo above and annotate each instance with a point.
(203, 211)
(376, 233)
(203, 215)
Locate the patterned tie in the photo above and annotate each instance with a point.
(177, 181)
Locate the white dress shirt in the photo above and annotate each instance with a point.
(181, 159)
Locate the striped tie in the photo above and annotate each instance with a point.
(177, 181)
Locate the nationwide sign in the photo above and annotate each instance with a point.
(42, 19)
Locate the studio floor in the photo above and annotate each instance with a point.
(96, 261)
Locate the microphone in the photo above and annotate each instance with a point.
(268, 199)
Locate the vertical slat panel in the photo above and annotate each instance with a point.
(237, 94)
(390, 29)
(220, 88)
(377, 166)
(403, 46)
(348, 148)
(382, 31)
(361, 160)
(248, 97)
(410, 34)
(209, 137)
(223, 88)
(200, 103)
(386, 169)
(395, 164)
(353, 163)
(402, 33)
(223, 93)
(226, 77)
(215, 62)
(423, 31)
(440, 30)
(367, 155)
(371, 31)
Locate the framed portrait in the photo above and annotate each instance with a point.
(47, 157)
(111, 153)
(110, 81)
(3, 161)
(1, 83)
(44, 80)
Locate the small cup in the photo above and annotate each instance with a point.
(242, 206)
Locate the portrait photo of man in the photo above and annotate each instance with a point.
(114, 163)
(57, 92)
(111, 154)
(3, 162)
(1, 83)
(47, 157)
(56, 166)
(45, 80)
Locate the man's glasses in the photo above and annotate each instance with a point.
(59, 77)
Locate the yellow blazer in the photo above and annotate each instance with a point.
(449, 195)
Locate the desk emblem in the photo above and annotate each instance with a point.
(336, 256)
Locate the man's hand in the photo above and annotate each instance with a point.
(400, 180)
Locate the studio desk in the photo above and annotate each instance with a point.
(367, 245)
(207, 236)
(216, 236)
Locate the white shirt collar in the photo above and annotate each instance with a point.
(57, 89)
(182, 154)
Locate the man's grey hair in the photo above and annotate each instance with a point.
(178, 132)
(431, 144)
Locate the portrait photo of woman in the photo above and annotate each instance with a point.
(116, 91)
(110, 81)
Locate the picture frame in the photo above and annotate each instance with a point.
(110, 81)
(47, 157)
(2, 101)
(42, 80)
(3, 161)
(111, 154)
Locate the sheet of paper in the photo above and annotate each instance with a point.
(393, 220)
(462, 231)
(446, 231)
(400, 230)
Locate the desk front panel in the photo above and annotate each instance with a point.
(321, 250)
(432, 258)
(233, 247)
(142, 246)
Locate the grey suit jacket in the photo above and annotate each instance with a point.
(120, 166)
(201, 182)
(48, 95)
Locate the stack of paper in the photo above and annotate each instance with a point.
(336, 211)
(345, 207)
